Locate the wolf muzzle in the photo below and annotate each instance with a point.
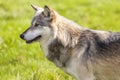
(22, 36)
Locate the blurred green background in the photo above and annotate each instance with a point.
(20, 61)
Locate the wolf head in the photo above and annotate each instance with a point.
(40, 28)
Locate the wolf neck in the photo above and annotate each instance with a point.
(67, 32)
(44, 45)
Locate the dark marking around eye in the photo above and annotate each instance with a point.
(37, 24)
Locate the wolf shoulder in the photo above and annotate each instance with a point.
(107, 43)
(107, 35)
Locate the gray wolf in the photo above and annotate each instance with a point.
(83, 53)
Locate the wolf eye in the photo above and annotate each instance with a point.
(36, 24)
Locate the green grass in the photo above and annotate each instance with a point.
(20, 61)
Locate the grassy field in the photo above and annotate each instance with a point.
(20, 61)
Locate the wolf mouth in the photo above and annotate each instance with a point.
(35, 39)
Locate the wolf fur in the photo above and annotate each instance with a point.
(83, 53)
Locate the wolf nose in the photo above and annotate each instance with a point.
(22, 36)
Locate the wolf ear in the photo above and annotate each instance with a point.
(36, 8)
(48, 13)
